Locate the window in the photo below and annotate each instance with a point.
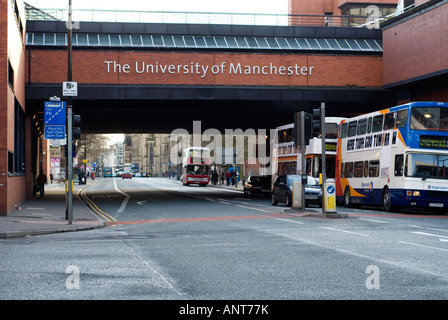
(426, 166)
(429, 118)
(389, 121)
(377, 124)
(348, 171)
(10, 162)
(10, 75)
(331, 130)
(374, 168)
(366, 168)
(369, 125)
(285, 135)
(402, 118)
(352, 126)
(19, 139)
(359, 169)
(362, 127)
(398, 165)
(343, 133)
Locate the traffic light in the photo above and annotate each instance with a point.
(298, 131)
(316, 129)
(76, 126)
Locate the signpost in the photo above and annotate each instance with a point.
(70, 88)
(54, 132)
(54, 119)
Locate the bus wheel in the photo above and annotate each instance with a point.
(347, 197)
(386, 200)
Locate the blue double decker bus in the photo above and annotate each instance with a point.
(396, 157)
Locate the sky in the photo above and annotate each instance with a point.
(237, 6)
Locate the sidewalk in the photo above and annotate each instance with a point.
(238, 187)
(44, 216)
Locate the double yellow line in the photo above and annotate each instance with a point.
(94, 207)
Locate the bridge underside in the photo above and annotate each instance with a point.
(161, 109)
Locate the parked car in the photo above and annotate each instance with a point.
(282, 190)
(126, 175)
(257, 185)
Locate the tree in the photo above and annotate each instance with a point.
(93, 147)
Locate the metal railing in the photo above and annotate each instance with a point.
(90, 15)
(96, 15)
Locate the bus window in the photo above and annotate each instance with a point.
(389, 121)
(366, 168)
(426, 166)
(374, 168)
(331, 130)
(399, 165)
(362, 126)
(369, 125)
(359, 168)
(427, 119)
(343, 133)
(352, 128)
(348, 172)
(402, 118)
(377, 124)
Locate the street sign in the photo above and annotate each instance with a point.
(54, 132)
(70, 88)
(54, 113)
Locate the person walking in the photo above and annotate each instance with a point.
(41, 181)
(228, 177)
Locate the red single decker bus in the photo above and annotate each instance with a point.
(195, 166)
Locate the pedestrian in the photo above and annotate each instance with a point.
(51, 177)
(41, 181)
(228, 177)
(81, 177)
(223, 176)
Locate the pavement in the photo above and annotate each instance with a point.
(48, 215)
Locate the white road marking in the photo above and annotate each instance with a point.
(356, 233)
(126, 199)
(288, 220)
(421, 245)
(373, 220)
(429, 234)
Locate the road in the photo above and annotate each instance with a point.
(171, 242)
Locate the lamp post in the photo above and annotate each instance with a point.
(69, 211)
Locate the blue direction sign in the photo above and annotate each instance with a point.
(54, 113)
(54, 132)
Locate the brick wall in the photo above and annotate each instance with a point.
(13, 189)
(221, 69)
(416, 47)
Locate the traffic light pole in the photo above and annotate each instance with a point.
(69, 123)
(324, 162)
(302, 151)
